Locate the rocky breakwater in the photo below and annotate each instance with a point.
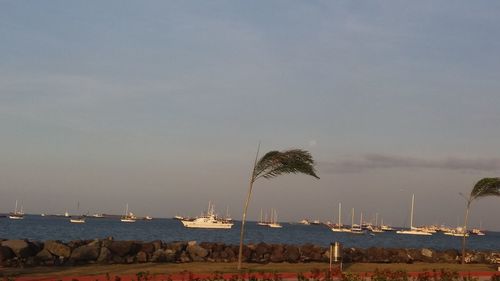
(19, 253)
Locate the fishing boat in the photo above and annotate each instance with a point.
(339, 227)
(17, 214)
(413, 230)
(208, 220)
(128, 217)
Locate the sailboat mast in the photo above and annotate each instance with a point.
(15, 210)
(340, 214)
(352, 217)
(411, 216)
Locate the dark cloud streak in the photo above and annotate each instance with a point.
(378, 161)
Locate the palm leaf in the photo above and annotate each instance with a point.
(486, 187)
(293, 161)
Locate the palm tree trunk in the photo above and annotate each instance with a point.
(244, 216)
(243, 219)
(465, 230)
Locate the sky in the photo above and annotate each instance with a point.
(161, 105)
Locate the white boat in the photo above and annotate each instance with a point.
(339, 227)
(98, 216)
(263, 221)
(274, 220)
(356, 229)
(16, 215)
(376, 228)
(77, 219)
(208, 220)
(305, 222)
(413, 230)
(148, 218)
(128, 217)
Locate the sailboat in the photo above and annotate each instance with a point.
(356, 229)
(77, 219)
(413, 230)
(274, 220)
(17, 215)
(262, 221)
(128, 217)
(339, 227)
(376, 228)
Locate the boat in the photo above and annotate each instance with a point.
(356, 229)
(128, 217)
(274, 220)
(263, 221)
(376, 228)
(305, 222)
(457, 232)
(98, 216)
(17, 215)
(148, 218)
(339, 227)
(413, 230)
(77, 219)
(208, 220)
(478, 231)
(316, 222)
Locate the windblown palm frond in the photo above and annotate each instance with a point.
(293, 161)
(486, 187)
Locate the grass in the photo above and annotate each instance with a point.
(204, 267)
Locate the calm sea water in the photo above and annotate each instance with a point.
(58, 228)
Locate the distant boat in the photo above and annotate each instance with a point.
(356, 229)
(128, 217)
(77, 219)
(458, 232)
(148, 218)
(263, 221)
(274, 220)
(413, 230)
(98, 216)
(339, 227)
(17, 215)
(376, 228)
(208, 220)
(305, 222)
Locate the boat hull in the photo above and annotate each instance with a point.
(413, 232)
(215, 225)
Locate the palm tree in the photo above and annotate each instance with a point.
(483, 188)
(271, 165)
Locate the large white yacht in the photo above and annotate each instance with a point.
(208, 220)
(413, 230)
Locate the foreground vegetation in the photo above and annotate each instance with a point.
(257, 272)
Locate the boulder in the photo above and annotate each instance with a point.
(21, 248)
(141, 257)
(44, 255)
(427, 252)
(89, 252)
(6, 253)
(148, 248)
(277, 253)
(170, 255)
(58, 249)
(105, 255)
(121, 248)
(291, 254)
(159, 256)
(196, 252)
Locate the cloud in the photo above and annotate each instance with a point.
(379, 161)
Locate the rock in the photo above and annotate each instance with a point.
(291, 254)
(159, 256)
(58, 249)
(184, 257)
(148, 248)
(277, 253)
(170, 255)
(105, 255)
(6, 253)
(157, 244)
(121, 248)
(426, 252)
(196, 252)
(21, 248)
(89, 252)
(176, 246)
(44, 255)
(141, 257)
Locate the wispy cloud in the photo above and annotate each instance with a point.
(379, 161)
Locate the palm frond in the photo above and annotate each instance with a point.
(486, 187)
(293, 161)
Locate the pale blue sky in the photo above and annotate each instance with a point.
(161, 104)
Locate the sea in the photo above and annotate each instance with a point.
(35, 227)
